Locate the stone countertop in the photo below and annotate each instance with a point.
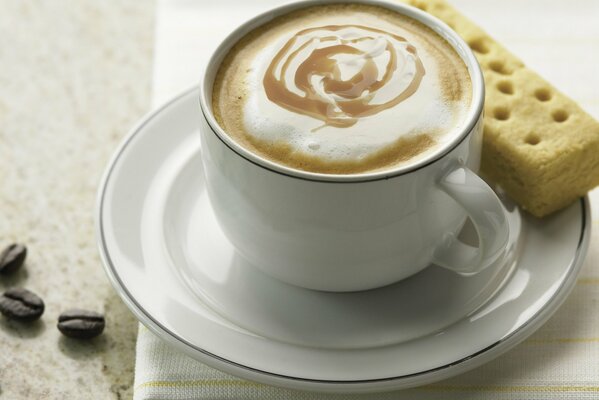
(74, 77)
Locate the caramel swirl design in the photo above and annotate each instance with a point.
(340, 73)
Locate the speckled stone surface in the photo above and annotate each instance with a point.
(74, 77)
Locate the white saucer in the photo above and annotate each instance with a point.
(169, 261)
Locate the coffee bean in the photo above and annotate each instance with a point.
(81, 324)
(21, 304)
(12, 258)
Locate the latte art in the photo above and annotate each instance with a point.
(339, 73)
(342, 89)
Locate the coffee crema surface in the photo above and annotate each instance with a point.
(342, 89)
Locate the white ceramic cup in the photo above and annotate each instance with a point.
(359, 231)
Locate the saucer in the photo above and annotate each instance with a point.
(171, 264)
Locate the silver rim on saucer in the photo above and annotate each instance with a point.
(515, 336)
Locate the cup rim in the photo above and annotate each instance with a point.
(455, 41)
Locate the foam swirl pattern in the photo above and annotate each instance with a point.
(339, 73)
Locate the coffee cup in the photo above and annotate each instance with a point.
(350, 224)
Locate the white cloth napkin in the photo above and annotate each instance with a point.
(560, 361)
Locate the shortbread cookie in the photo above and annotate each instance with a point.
(539, 145)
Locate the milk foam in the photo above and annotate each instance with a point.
(424, 112)
(342, 89)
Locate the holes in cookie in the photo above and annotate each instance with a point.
(479, 46)
(532, 139)
(560, 115)
(543, 94)
(501, 113)
(421, 6)
(505, 87)
(499, 67)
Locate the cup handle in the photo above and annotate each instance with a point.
(487, 215)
